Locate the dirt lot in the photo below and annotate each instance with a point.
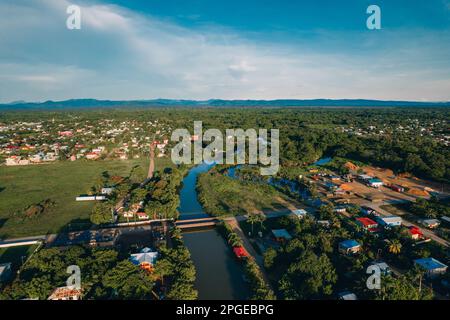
(410, 182)
(414, 187)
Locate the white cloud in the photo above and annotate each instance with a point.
(120, 54)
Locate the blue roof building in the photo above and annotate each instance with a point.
(390, 221)
(299, 213)
(349, 247)
(375, 182)
(431, 266)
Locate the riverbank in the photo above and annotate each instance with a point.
(219, 275)
(254, 270)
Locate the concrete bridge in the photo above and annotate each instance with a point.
(196, 223)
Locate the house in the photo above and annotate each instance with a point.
(85, 198)
(107, 191)
(383, 267)
(281, 235)
(16, 161)
(128, 214)
(364, 178)
(90, 198)
(375, 183)
(431, 223)
(415, 233)
(65, 293)
(347, 295)
(300, 213)
(240, 252)
(92, 156)
(340, 209)
(335, 178)
(349, 247)
(367, 224)
(146, 259)
(390, 221)
(142, 215)
(66, 133)
(5, 271)
(431, 266)
(37, 158)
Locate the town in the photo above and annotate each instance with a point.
(132, 207)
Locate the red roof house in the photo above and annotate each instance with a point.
(240, 252)
(367, 224)
(415, 233)
(142, 215)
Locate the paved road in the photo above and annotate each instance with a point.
(426, 232)
(151, 167)
(22, 241)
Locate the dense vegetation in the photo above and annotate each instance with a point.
(159, 196)
(309, 266)
(107, 274)
(103, 275)
(223, 195)
(433, 208)
(309, 133)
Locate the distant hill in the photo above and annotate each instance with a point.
(93, 103)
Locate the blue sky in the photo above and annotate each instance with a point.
(202, 49)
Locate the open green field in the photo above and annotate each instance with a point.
(60, 182)
(222, 195)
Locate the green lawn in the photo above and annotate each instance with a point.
(60, 182)
(221, 195)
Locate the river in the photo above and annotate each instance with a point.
(219, 275)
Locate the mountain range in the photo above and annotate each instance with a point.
(94, 103)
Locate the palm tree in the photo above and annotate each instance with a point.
(234, 240)
(261, 218)
(394, 246)
(252, 219)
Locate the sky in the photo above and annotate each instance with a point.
(217, 49)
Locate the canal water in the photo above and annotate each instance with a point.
(219, 275)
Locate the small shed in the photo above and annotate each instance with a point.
(349, 246)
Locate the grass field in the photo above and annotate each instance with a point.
(221, 195)
(60, 182)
